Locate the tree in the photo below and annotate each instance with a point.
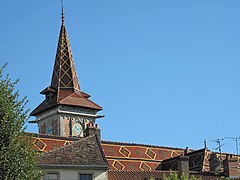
(18, 159)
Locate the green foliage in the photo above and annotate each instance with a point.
(171, 176)
(184, 177)
(174, 176)
(195, 178)
(224, 178)
(17, 157)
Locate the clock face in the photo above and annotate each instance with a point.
(49, 130)
(77, 129)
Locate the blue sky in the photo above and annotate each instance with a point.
(165, 71)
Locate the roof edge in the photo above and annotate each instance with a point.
(52, 166)
(137, 144)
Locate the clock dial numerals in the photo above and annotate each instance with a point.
(77, 129)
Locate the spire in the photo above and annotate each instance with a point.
(64, 88)
(64, 73)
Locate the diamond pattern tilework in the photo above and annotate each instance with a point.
(124, 151)
(150, 153)
(174, 153)
(137, 160)
(39, 144)
(67, 143)
(64, 72)
(117, 165)
(143, 166)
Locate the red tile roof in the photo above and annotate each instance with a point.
(130, 156)
(127, 156)
(144, 175)
(78, 99)
(120, 156)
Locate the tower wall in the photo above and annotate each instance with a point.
(66, 121)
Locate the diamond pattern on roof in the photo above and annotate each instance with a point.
(150, 153)
(143, 166)
(39, 144)
(117, 165)
(64, 72)
(174, 153)
(67, 143)
(124, 151)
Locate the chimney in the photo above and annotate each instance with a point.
(214, 163)
(230, 167)
(186, 150)
(183, 166)
(92, 129)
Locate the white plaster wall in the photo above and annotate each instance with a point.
(73, 174)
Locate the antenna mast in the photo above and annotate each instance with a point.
(236, 140)
(219, 145)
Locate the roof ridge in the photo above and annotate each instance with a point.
(138, 144)
(162, 171)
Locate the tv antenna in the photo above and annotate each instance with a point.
(236, 139)
(219, 145)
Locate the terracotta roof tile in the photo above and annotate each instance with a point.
(133, 175)
(144, 175)
(66, 98)
(124, 161)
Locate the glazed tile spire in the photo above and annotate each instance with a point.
(64, 89)
(64, 73)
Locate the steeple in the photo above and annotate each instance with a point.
(64, 74)
(64, 89)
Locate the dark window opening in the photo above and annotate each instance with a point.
(86, 177)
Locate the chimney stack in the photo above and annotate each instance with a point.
(92, 129)
(230, 167)
(183, 166)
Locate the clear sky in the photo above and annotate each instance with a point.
(166, 72)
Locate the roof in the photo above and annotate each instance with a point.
(120, 156)
(69, 99)
(130, 156)
(64, 72)
(144, 175)
(84, 152)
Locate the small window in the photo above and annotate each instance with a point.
(51, 176)
(86, 177)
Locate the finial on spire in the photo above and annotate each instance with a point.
(63, 17)
(205, 144)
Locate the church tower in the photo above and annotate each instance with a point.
(66, 110)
